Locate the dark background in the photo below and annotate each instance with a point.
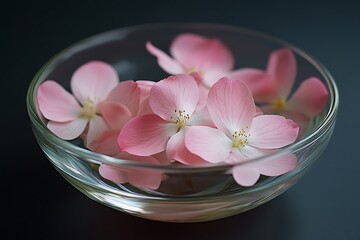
(38, 203)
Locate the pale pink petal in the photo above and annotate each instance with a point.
(93, 80)
(146, 135)
(178, 92)
(128, 94)
(282, 68)
(97, 126)
(177, 150)
(168, 64)
(68, 130)
(209, 143)
(143, 177)
(245, 175)
(231, 105)
(211, 76)
(201, 53)
(310, 98)
(277, 166)
(272, 131)
(245, 153)
(145, 88)
(203, 89)
(161, 157)
(113, 173)
(260, 83)
(184, 43)
(300, 119)
(145, 108)
(56, 103)
(106, 143)
(146, 178)
(115, 114)
(197, 77)
(201, 117)
(236, 156)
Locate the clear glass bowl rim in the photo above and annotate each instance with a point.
(97, 158)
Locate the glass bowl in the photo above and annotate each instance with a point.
(188, 193)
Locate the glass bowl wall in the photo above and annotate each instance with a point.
(188, 194)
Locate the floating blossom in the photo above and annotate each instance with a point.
(173, 102)
(120, 106)
(273, 88)
(240, 134)
(68, 115)
(194, 53)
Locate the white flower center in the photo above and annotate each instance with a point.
(181, 118)
(240, 138)
(89, 107)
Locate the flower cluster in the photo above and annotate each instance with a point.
(204, 112)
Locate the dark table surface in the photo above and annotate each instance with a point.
(38, 203)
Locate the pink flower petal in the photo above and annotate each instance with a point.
(260, 84)
(245, 153)
(197, 77)
(178, 92)
(56, 103)
(282, 68)
(97, 126)
(278, 166)
(231, 105)
(115, 114)
(310, 98)
(184, 43)
(106, 143)
(93, 80)
(209, 143)
(201, 117)
(300, 119)
(176, 150)
(68, 130)
(168, 64)
(145, 88)
(128, 94)
(211, 76)
(145, 108)
(272, 131)
(113, 173)
(146, 135)
(245, 175)
(143, 177)
(146, 178)
(201, 53)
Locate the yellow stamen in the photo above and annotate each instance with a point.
(194, 69)
(89, 108)
(240, 138)
(181, 118)
(279, 105)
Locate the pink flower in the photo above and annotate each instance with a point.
(195, 53)
(117, 109)
(123, 103)
(240, 134)
(274, 86)
(68, 115)
(174, 102)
